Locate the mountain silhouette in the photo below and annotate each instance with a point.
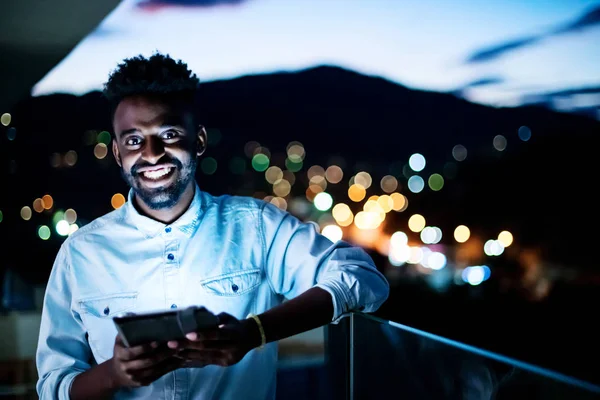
(540, 189)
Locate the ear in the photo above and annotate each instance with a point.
(202, 141)
(115, 150)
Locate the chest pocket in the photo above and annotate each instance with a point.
(97, 314)
(233, 284)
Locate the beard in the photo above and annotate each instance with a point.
(166, 197)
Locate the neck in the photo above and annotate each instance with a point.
(167, 216)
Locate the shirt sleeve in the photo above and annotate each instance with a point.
(63, 351)
(299, 258)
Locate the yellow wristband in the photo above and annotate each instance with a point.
(263, 338)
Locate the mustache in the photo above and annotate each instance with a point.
(166, 160)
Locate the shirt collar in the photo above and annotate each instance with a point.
(186, 223)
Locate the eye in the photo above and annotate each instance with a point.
(170, 134)
(133, 141)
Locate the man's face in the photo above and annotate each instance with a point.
(156, 150)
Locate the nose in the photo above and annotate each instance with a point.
(153, 150)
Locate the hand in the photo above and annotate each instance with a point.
(224, 346)
(141, 365)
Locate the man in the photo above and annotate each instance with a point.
(171, 246)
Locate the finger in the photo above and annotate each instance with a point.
(131, 353)
(147, 362)
(225, 318)
(216, 334)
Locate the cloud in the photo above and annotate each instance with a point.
(589, 19)
(158, 4)
(496, 51)
(485, 81)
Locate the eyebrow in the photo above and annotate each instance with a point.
(162, 127)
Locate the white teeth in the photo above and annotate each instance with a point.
(159, 173)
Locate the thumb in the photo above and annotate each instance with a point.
(225, 319)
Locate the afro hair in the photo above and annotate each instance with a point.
(158, 75)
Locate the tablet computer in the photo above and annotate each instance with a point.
(137, 329)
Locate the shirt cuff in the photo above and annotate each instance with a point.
(342, 300)
(65, 385)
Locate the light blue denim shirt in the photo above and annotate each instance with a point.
(230, 254)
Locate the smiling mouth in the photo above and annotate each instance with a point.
(157, 173)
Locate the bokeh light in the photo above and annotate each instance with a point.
(363, 179)
(436, 182)
(505, 238)
(100, 151)
(273, 174)
(38, 205)
(389, 184)
(333, 233)
(357, 193)
(462, 234)
(117, 200)
(323, 201)
(416, 184)
(417, 162)
(334, 174)
(400, 202)
(48, 202)
(499, 142)
(70, 216)
(44, 232)
(416, 223)
(26, 213)
(5, 119)
(524, 133)
(209, 165)
(260, 162)
(342, 214)
(282, 188)
(459, 152)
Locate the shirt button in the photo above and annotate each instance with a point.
(168, 229)
(106, 311)
(234, 287)
(170, 256)
(173, 305)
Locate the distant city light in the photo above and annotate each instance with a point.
(363, 179)
(334, 174)
(104, 138)
(400, 202)
(273, 174)
(5, 119)
(342, 214)
(499, 142)
(100, 151)
(70, 216)
(26, 213)
(389, 184)
(356, 193)
(63, 228)
(474, 275)
(505, 238)
(260, 162)
(524, 133)
(48, 202)
(416, 223)
(459, 152)
(333, 233)
(71, 158)
(416, 255)
(117, 201)
(44, 232)
(323, 201)
(436, 261)
(436, 182)
(208, 165)
(416, 184)
(493, 248)
(282, 188)
(462, 234)
(417, 162)
(398, 239)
